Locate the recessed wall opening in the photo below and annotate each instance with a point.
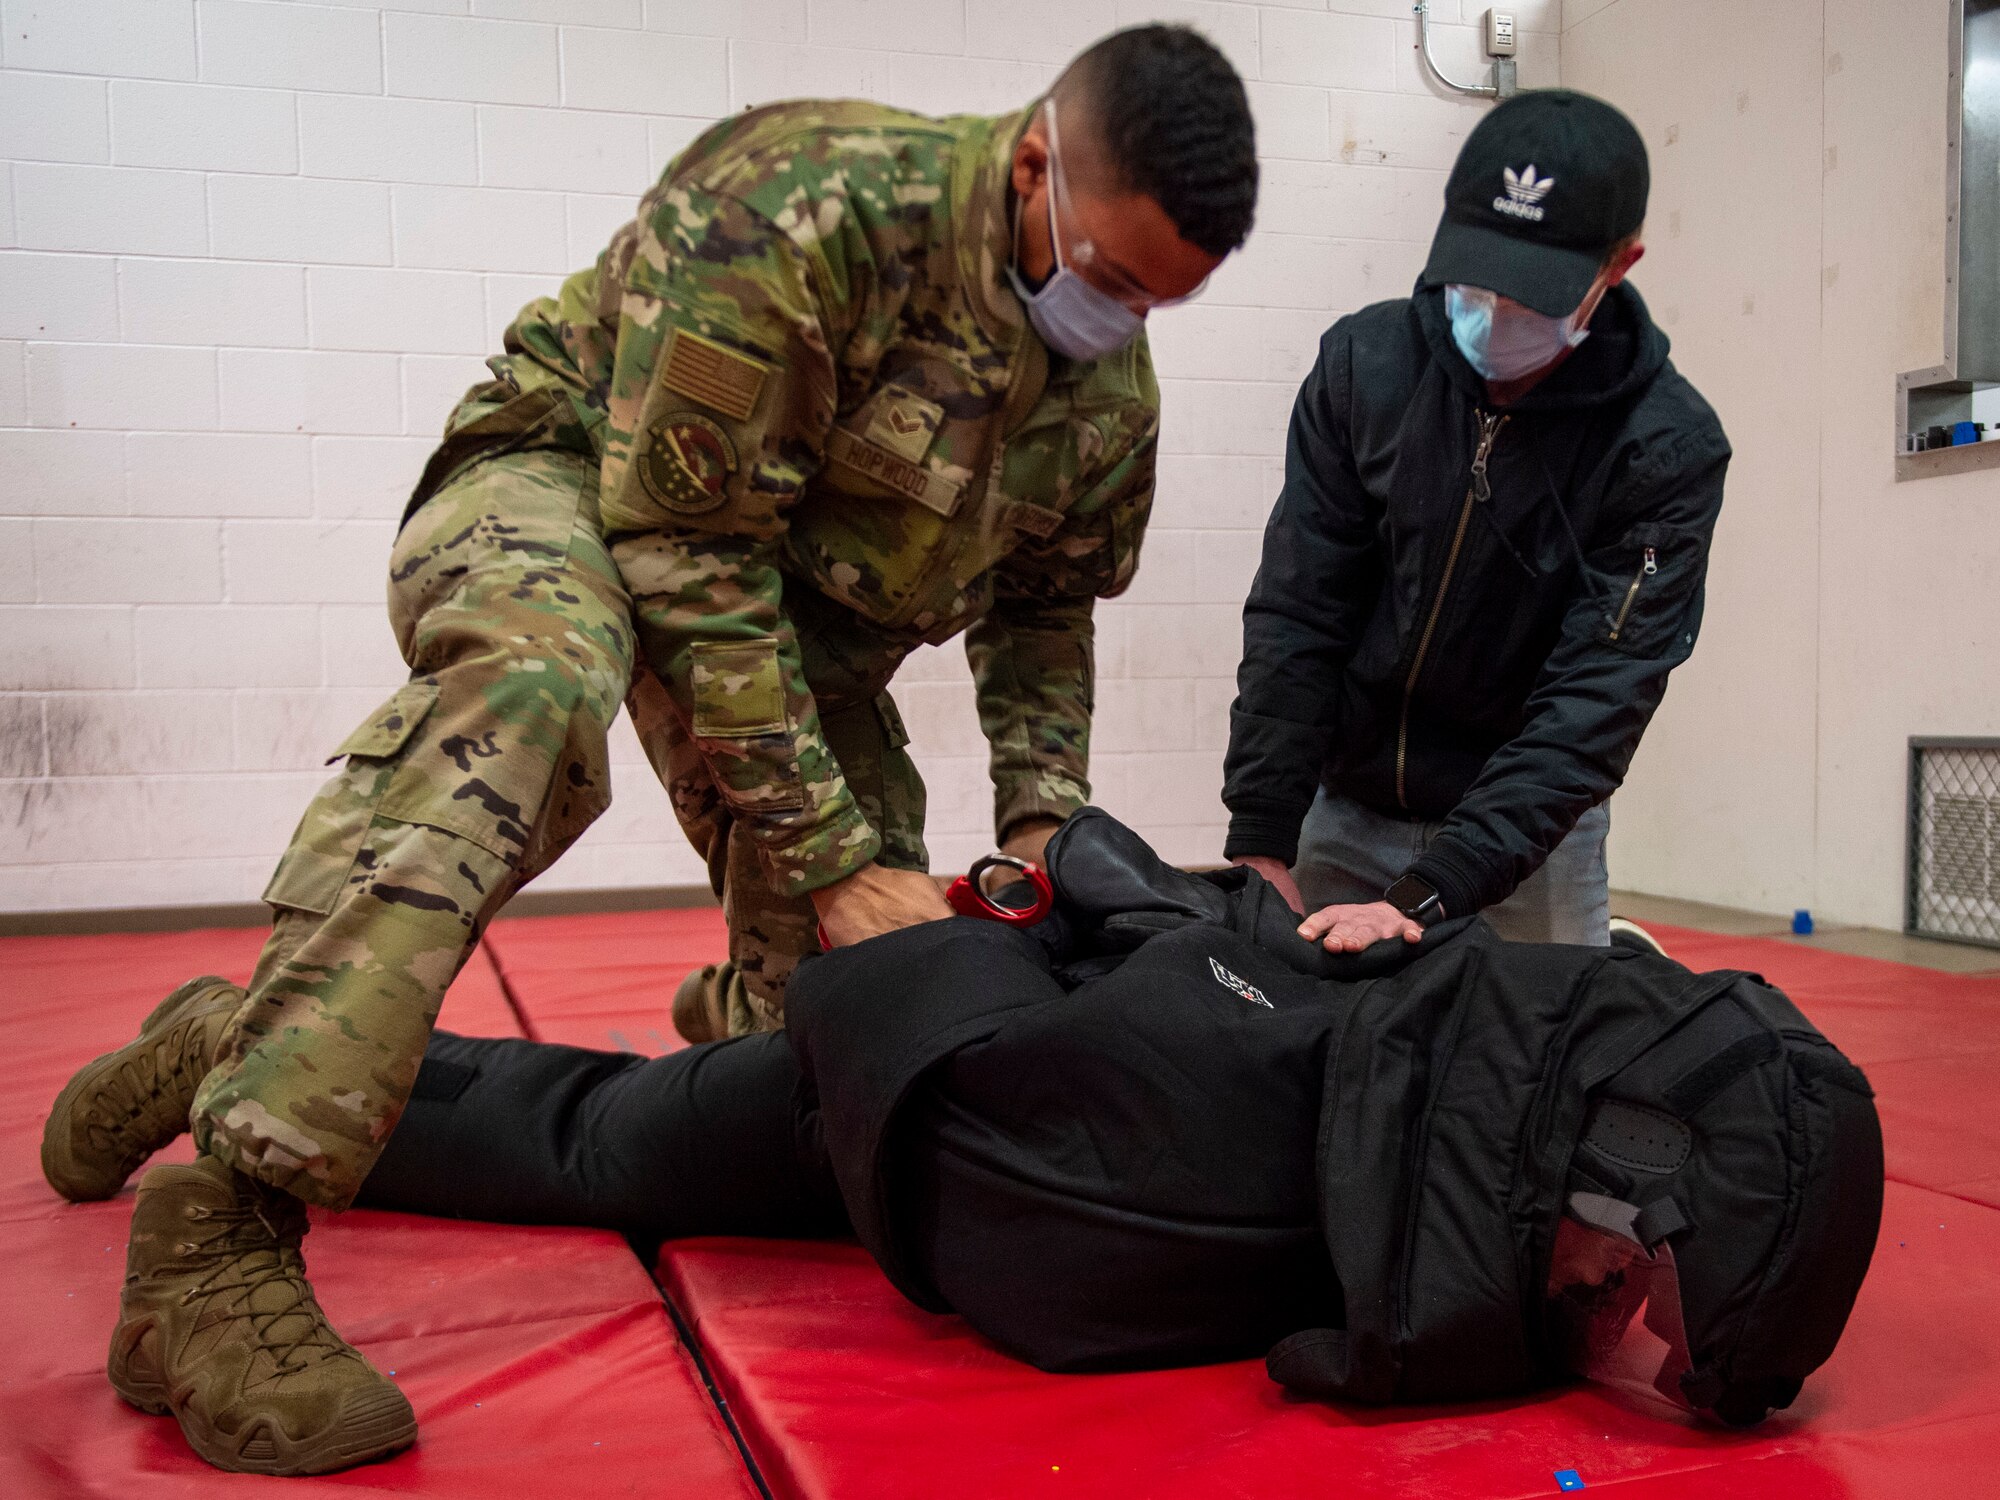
(1948, 416)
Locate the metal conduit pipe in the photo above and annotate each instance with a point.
(1503, 85)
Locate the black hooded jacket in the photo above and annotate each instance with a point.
(1162, 1127)
(1483, 654)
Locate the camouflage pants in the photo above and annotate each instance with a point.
(468, 782)
(471, 780)
(769, 933)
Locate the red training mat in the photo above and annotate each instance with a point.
(605, 980)
(540, 1361)
(842, 1388)
(1929, 1043)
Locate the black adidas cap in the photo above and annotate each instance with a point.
(1544, 186)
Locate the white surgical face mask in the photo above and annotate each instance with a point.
(1073, 317)
(1503, 340)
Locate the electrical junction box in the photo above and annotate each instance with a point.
(1499, 33)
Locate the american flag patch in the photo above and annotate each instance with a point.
(717, 377)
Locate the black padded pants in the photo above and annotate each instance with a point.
(714, 1139)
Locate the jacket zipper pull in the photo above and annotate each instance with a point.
(1479, 489)
(1647, 568)
(1489, 429)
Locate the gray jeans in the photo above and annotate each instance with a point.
(1348, 853)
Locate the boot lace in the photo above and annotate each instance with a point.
(250, 1256)
(146, 1097)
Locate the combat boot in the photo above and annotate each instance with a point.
(120, 1109)
(701, 1003)
(218, 1325)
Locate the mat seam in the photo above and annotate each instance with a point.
(365, 1341)
(688, 1342)
(1926, 1187)
(521, 1017)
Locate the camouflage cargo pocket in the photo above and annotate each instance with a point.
(741, 726)
(389, 728)
(739, 690)
(321, 856)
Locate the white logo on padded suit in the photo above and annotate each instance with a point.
(1241, 987)
(1525, 192)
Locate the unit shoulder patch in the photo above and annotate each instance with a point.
(714, 375)
(686, 463)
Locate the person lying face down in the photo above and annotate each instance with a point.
(1162, 1128)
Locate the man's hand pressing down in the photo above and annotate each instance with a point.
(874, 900)
(1349, 929)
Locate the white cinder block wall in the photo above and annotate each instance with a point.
(252, 250)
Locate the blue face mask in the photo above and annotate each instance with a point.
(1503, 340)
(1073, 317)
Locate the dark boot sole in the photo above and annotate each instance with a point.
(126, 1368)
(60, 1167)
(148, 1398)
(383, 1426)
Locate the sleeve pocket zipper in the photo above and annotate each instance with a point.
(1646, 570)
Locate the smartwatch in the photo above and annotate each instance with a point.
(1417, 899)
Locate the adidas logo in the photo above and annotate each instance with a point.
(1241, 987)
(1525, 192)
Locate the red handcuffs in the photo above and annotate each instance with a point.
(967, 894)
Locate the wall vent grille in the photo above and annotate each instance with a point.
(1955, 840)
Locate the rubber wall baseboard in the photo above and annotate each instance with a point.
(256, 914)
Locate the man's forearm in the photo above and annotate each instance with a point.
(1583, 727)
(1270, 775)
(711, 625)
(1280, 726)
(1029, 838)
(874, 900)
(1033, 667)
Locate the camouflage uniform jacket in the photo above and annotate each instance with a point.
(828, 435)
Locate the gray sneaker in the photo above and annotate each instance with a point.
(1626, 933)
